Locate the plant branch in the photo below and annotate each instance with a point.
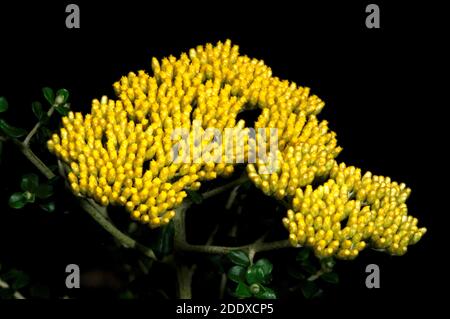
(315, 276)
(183, 271)
(221, 250)
(223, 285)
(184, 279)
(113, 230)
(47, 172)
(224, 188)
(30, 135)
(181, 244)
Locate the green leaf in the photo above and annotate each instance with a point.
(239, 257)
(237, 273)
(309, 289)
(61, 109)
(164, 242)
(29, 183)
(49, 95)
(44, 191)
(21, 281)
(266, 293)
(11, 131)
(294, 271)
(255, 275)
(37, 109)
(48, 207)
(302, 255)
(330, 277)
(242, 291)
(17, 278)
(308, 267)
(195, 196)
(61, 96)
(17, 200)
(3, 104)
(265, 265)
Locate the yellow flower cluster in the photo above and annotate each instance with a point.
(306, 152)
(132, 151)
(122, 152)
(340, 216)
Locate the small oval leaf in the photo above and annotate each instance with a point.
(309, 289)
(44, 191)
(236, 273)
(29, 183)
(255, 275)
(3, 104)
(11, 131)
(266, 293)
(17, 200)
(61, 109)
(48, 207)
(330, 277)
(302, 255)
(37, 109)
(242, 291)
(239, 257)
(49, 95)
(265, 265)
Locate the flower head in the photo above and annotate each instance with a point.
(127, 151)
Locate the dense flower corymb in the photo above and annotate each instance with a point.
(125, 151)
(373, 207)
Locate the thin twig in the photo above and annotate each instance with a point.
(181, 244)
(212, 235)
(30, 135)
(47, 172)
(113, 230)
(232, 197)
(221, 250)
(224, 188)
(223, 285)
(315, 276)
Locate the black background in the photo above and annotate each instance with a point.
(378, 86)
